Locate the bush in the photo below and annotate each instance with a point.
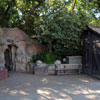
(1, 44)
(48, 58)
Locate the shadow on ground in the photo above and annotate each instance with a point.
(21, 86)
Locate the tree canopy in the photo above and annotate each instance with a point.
(56, 23)
(25, 13)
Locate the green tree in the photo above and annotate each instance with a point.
(55, 23)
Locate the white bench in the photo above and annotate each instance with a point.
(67, 68)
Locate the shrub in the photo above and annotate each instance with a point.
(1, 43)
(48, 58)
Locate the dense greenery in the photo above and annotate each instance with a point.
(55, 23)
(61, 33)
(48, 58)
(1, 43)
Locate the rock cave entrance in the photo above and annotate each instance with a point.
(10, 57)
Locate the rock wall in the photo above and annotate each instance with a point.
(18, 48)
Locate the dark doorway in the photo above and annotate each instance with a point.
(10, 57)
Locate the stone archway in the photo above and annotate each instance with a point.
(10, 57)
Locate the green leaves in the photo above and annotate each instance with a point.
(55, 23)
(2, 43)
(46, 57)
(60, 32)
(13, 13)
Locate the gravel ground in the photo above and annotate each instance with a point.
(23, 86)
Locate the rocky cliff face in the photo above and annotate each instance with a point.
(17, 49)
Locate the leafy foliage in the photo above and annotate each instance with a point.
(48, 58)
(61, 32)
(95, 22)
(25, 14)
(55, 23)
(1, 44)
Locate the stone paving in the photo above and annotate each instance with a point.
(23, 86)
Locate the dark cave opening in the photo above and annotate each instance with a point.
(10, 57)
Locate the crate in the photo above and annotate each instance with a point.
(3, 74)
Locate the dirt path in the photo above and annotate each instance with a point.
(21, 86)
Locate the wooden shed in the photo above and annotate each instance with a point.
(91, 51)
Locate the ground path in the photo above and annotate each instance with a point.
(21, 86)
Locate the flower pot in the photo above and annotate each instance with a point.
(3, 74)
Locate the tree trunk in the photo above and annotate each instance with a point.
(31, 13)
(73, 6)
(10, 4)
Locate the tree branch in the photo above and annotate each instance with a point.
(73, 6)
(32, 12)
(57, 11)
(8, 8)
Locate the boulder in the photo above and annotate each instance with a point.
(39, 62)
(57, 62)
(18, 48)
